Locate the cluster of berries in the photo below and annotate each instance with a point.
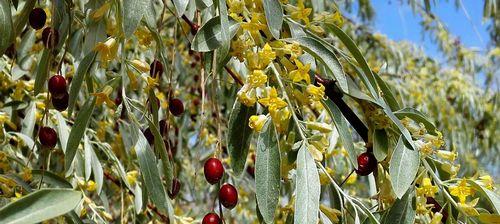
(228, 195)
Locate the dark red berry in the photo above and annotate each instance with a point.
(228, 196)
(57, 86)
(176, 107)
(11, 51)
(367, 163)
(176, 187)
(61, 104)
(163, 127)
(37, 18)
(149, 136)
(47, 137)
(213, 170)
(211, 218)
(156, 69)
(50, 37)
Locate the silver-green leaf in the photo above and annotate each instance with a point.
(307, 188)
(267, 172)
(209, 37)
(6, 28)
(403, 168)
(40, 205)
(403, 210)
(274, 16)
(239, 136)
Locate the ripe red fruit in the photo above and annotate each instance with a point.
(50, 37)
(57, 86)
(228, 196)
(37, 18)
(156, 68)
(211, 218)
(61, 104)
(213, 170)
(367, 163)
(47, 137)
(176, 107)
(149, 136)
(176, 187)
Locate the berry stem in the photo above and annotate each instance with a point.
(345, 179)
(335, 95)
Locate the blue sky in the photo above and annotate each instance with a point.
(398, 22)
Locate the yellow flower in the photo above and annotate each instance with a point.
(318, 126)
(91, 185)
(426, 188)
(140, 65)
(331, 213)
(436, 218)
(236, 7)
(315, 93)
(315, 153)
(144, 36)
(486, 181)
(294, 50)
(132, 177)
(300, 12)
(103, 97)
(257, 78)
(254, 26)
(447, 155)
(451, 169)
(301, 73)
(246, 95)
(266, 55)
(461, 191)
(468, 208)
(272, 101)
(107, 50)
(99, 13)
(256, 122)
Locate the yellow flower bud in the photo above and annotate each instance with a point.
(256, 122)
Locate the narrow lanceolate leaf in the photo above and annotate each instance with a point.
(87, 148)
(149, 171)
(98, 171)
(343, 129)
(77, 131)
(42, 71)
(159, 144)
(28, 124)
(492, 197)
(76, 82)
(380, 144)
(267, 172)
(133, 11)
(403, 167)
(325, 56)
(403, 210)
(39, 206)
(62, 131)
(209, 37)
(274, 16)
(6, 28)
(239, 136)
(387, 93)
(417, 116)
(406, 134)
(307, 188)
(180, 6)
(356, 53)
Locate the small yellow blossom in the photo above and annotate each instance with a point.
(301, 73)
(246, 95)
(426, 188)
(461, 191)
(315, 153)
(103, 97)
(300, 12)
(318, 126)
(266, 55)
(256, 122)
(132, 177)
(468, 208)
(254, 26)
(436, 218)
(272, 101)
(315, 93)
(447, 155)
(99, 13)
(257, 78)
(91, 185)
(332, 214)
(107, 50)
(486, 181)
(140, 65)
